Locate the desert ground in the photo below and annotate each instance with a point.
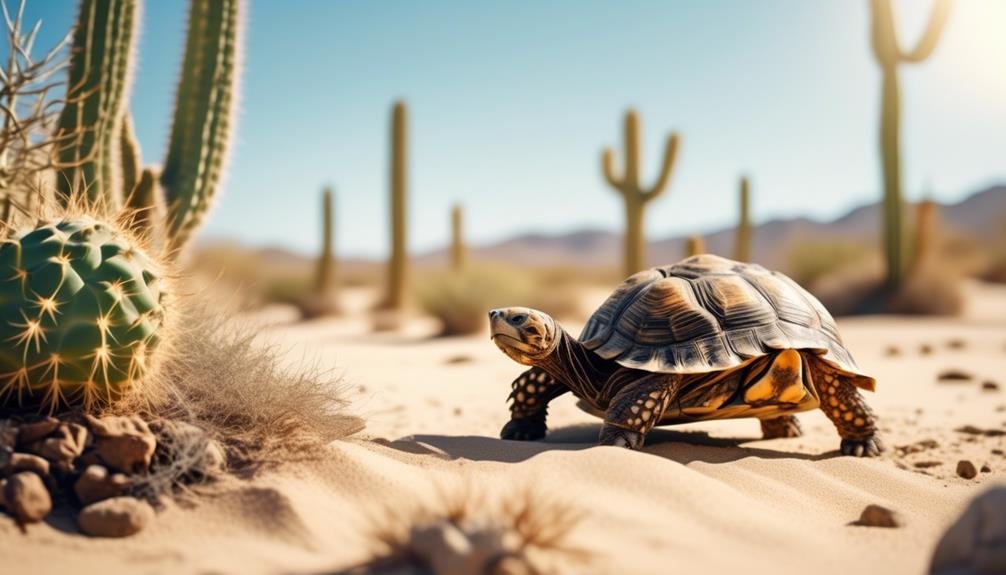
(709, 497)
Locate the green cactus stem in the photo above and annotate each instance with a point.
(398, 263)
(204, 115)
(889, 55)
(82, 312)
(90, 125)
(459, 253)
(636, 197)
(742, 249)
(325, 279)
(132, 163)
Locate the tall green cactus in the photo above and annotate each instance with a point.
(635, 195)
(398, 263)
(325, 280)
(742, 247)
(459, 253)
(102, 163)
(90, 125)
(889, 55)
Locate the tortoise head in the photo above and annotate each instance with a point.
(524, 334)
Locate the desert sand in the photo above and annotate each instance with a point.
(709, 497)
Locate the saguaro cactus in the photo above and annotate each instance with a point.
(889, 55)
(398, 263)
(101, 74)
(694, 246)
(742, 248)
(635, 195)
(325, 280)
(459, 254)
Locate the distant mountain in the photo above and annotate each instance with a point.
(981, 216)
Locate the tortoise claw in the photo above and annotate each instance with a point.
(523, 430)
(870, 447)
(619, 437)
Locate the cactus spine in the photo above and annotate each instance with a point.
(459, 254)
(889, 55)
(325, 280)
(101, 71)
(634, 194)
(742, 249)
(694, 246)
(398, 263)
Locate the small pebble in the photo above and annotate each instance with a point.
(927, 464)
(892, 351)
(956, 343)
(990, 385)
(986, 468)
(115, 517)
(925, 349)
(998, 452)
(966, 469)
(26, 497)
(954, 375)
(879, 516)
(27, 462)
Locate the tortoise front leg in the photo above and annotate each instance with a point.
(635, 409)
(846, 408)
(532, 391)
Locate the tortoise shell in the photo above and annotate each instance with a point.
(707, 313)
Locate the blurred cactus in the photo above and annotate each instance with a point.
(324, 300)
(889, 55)
(926, 234)
(101, 74)
(398, 264)
(83, 312)
(694, 246)
(103, 163)
(459, 253)
(636, 197)
(742, 249)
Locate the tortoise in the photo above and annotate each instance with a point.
(705, 338)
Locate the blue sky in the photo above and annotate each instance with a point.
(512, 102)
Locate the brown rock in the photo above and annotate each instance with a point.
(966, 469)
(990, 385)
(63, 447)
(123, 443)
(26, 497)
(986, 468)
(976, 542)
(956, 343)
(96, 484)
(26, 462)
(954, 375)
(8, 435)
(115, 517)
(33, 431)
(927, 464)
(878, 516)
(925, 349)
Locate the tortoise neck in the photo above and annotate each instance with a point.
(582, 370)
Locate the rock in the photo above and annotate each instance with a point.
(8, 435)
(925, 349)
(972, 430)
(956, 343)
(26, 497)
(96, 484)
(33, 431)
(878, 516)
(927, 464)
(976, 542)
(990, 385)
(966, 469)
(63, 447)
(115, 517)
(954, 375)
(26, 462)
(123, 443)
(986, 468)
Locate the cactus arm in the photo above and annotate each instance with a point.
(100, 76)
(146, 204)
(608, 167)
(927, 43)
(131, 160)
(204, 110)
(670, 158)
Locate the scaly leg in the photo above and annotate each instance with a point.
(532, 391)
(846, 408)
(635, 409)
(781, 427)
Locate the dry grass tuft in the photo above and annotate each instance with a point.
(219, 386)
(527, 533)
(461, 301)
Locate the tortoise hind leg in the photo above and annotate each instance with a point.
(846, 408)
(781, 427)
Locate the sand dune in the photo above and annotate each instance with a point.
(709, 497)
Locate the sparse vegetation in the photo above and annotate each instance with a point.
(813, 260)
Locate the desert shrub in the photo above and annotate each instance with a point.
(526, 532)
(926, 291)
(461, 301)
(811, 261)
(218, 379)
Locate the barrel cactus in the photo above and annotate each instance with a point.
(82, 312)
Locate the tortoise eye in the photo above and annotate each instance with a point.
(518, 319)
